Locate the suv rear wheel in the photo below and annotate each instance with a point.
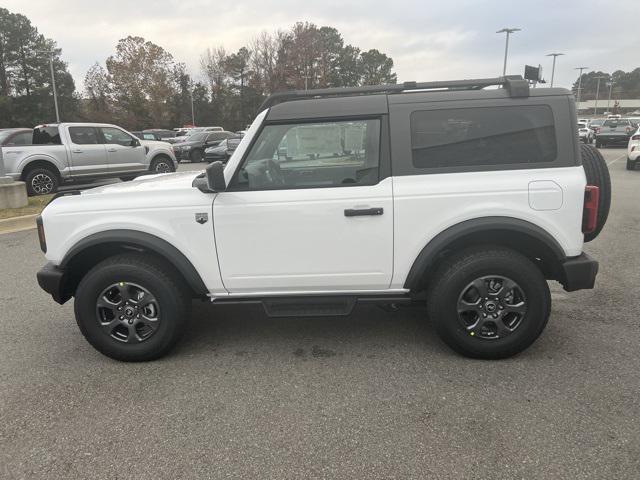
(488, 302)
(131, 307)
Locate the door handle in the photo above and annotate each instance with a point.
(359, 212)
(111, 150)
(76, 151)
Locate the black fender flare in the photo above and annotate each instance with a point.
(145, 242)
(439, 243)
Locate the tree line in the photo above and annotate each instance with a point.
(141, 85)
(623, 85)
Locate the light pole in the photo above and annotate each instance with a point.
(193, 114)
(579, 86)
(609, 99)
(53, 83)
(595, 109)
(553, 68)
(508, 31)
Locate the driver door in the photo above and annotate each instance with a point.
(124, 153)
(309, 210)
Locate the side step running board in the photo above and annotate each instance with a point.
(317, 306)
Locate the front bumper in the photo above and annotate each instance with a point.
(53, 280)
(579, 273)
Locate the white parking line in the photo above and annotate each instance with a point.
(614, 161)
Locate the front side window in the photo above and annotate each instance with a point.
(117, 137)
(313, 155)
(83, 135)
(483, 136)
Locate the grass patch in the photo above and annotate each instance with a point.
(36, 205)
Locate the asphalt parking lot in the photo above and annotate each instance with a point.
(373, 395)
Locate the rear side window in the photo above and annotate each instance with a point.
(22, 138)
(46, 136)
(483, 136)
(83, 135)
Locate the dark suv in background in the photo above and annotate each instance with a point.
(615, 131)
(192, 148)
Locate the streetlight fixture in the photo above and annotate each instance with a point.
(508, 31)
(553, 68)
(579, 86)
(595, 109)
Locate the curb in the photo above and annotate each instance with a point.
(18, 224)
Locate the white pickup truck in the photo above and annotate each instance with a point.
(71, 152)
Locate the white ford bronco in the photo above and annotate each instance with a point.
(467, 198)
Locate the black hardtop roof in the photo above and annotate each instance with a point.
(374, 100)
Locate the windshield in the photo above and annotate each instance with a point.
(4, 135)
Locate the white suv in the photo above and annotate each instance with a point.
(471, 199)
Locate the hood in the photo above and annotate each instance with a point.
(147, 183)
(154, 143)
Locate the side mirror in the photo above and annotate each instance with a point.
(212, 180)
(135, 142)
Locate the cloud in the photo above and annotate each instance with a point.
(428, 40)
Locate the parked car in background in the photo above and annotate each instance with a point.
(223, 150)
(585, 133)
(69, 152)
(14, 137)
(147, 136)
(615, 131)
(595, 124)
(633, 150)
(160, 133)
(193, 147)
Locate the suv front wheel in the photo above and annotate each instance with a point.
(131, 307)
(488, 302)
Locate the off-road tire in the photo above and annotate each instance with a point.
(41, 181)
(174, 305)
(597, 172)
(451, 279)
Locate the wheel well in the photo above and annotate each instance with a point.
(80, 263)
(545, 256)
(39, 164)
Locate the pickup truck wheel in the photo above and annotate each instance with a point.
(131, 307)
(162, 164)
(196, 156)
(489, 302)
(41, 181)
(631, 165)
(597, 173)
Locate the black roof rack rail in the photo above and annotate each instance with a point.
(515, 84)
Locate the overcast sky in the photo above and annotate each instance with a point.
(428, 40)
